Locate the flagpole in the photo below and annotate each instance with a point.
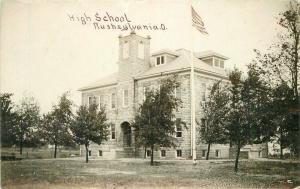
(199, 25)
(193, 104)
(193, 110)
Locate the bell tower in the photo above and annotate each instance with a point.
(134, 55)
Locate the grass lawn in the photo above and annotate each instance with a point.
(137, 173)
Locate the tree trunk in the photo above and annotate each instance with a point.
(145, 152)
(86, 153)
(208, 149)
(281, 149)
(21, 146)
(55, 150)
(237, 157)
(152, 147)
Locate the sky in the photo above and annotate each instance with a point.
(44, 53)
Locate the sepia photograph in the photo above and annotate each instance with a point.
(149, 94)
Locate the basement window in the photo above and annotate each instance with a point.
(178, 153)
(148, 153)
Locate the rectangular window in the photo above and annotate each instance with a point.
(178, 128)
(163, 153)
(100, 153)
(160, 60)
(101, 101)
(177, 93)
(125, 98)
(113, 100)
(217, 153)
(92, 100)
(203, 153)
(178, 153)
(222, 64)
(141, 50)
(203, 122)
(148, 153)
(145, 90)
(113, 131)
(125, 50)
(217, 62)
(203, 92)
(90, 152)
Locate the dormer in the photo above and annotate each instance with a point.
(163, 57)
(212, 58)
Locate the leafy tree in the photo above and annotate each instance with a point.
(215, 111)
(6, 117)
(279, 66)
(27, 121)
(55, 127)
(248, 120)
(90, 125)
(283, 119)
(257, 102)
(154, 124)
(238, 131)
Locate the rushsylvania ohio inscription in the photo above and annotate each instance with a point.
(108, 21)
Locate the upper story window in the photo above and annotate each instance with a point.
(92, 100)
(113, 100)
(203, 124)
(218, 63)
(125, 97)
(101, 101)
(222, 63)
(177, 92)
(125, 49)
(145, 90)
(141, 50)
(203, 92)
(178, 128)
(160, 60)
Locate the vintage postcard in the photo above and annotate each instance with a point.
(149, 94)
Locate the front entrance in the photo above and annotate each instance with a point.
(126, 130)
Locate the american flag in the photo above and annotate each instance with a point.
(197, 22)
